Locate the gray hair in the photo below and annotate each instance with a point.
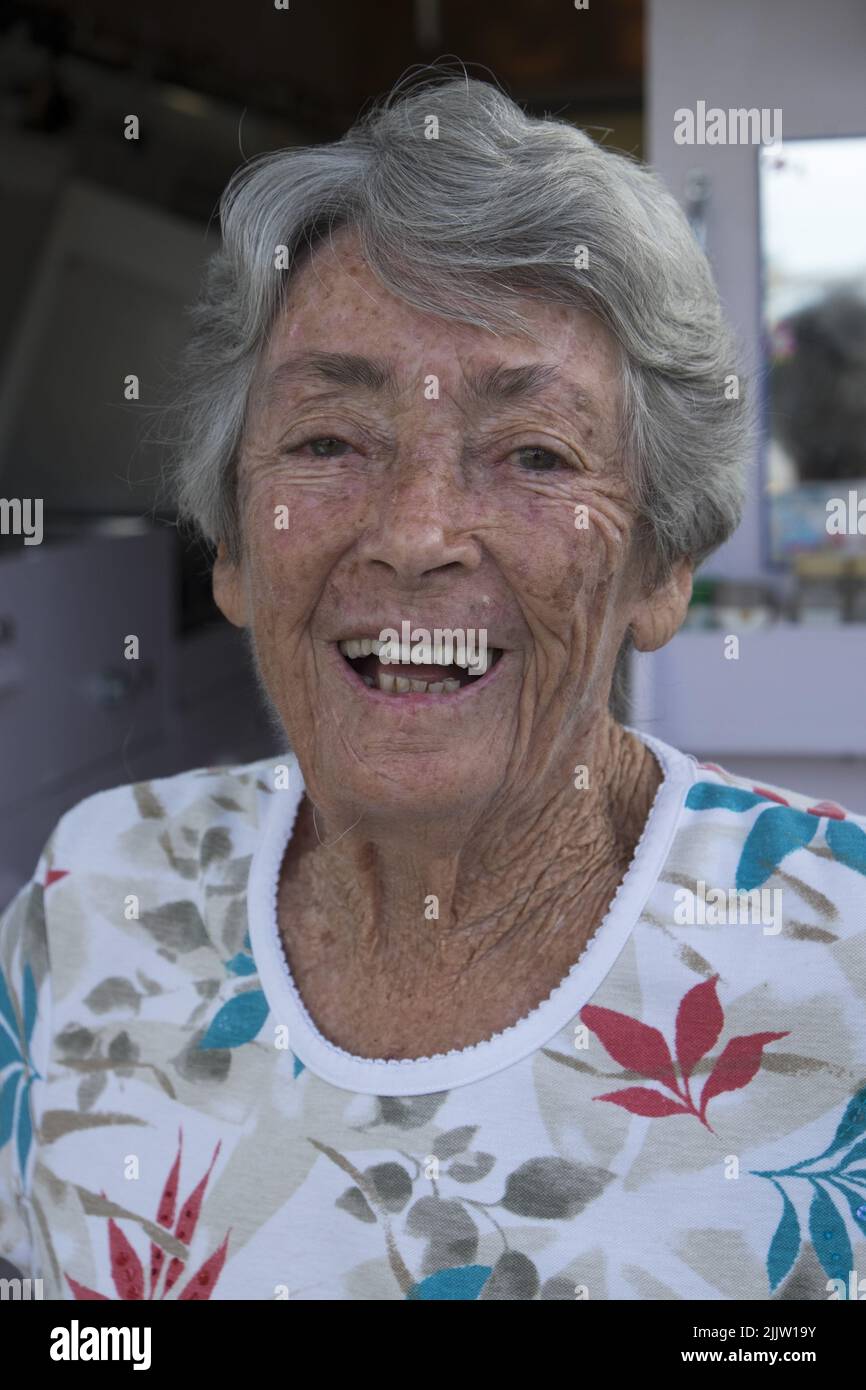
(493, 206)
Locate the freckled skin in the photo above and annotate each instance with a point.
(433, 511)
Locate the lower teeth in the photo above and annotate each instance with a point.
(401, 685)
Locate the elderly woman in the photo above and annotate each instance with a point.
(477, 993)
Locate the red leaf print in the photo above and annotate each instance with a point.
(699, 1022)
(165, 1215)
(201, 1285)
(126, 1270)
(641, 1100)
(737, 1064)
(52, 876)
(633, 1044)
(83, 1293)
(827, 808)
(188, 1220)
(771, 796)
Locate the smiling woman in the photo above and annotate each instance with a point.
(422, 990)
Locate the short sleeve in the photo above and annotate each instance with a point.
(23, 1064)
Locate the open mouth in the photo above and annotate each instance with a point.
(411, 678)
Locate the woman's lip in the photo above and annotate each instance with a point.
(415, 699)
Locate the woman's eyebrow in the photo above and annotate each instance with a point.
(489, 386)
(498, 384)
(338, 368)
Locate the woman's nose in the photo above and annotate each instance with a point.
(421, 523)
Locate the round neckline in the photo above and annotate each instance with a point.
(446, 1070)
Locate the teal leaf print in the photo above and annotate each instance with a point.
(710, 796)
(238, 1021)
(241, 964)
(829, 1236)
(8, 1049)
(7, 1106)
(826, 1224)
(785, 1245)
(29, 1004)
(25, 1124)
(776, 832)
(851, 1125)
(856, 1200)
(6, 1010)
(848, 843)
(857, 1153)
(463, 1282)
(15, 1096)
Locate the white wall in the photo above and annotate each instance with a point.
(807, 58)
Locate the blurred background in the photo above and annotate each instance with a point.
(102, 243)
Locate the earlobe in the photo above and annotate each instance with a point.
(660, 615)
(228, 588)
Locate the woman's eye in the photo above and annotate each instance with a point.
(538, 460)
(326, 447)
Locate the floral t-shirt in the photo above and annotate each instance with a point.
(684, 1117)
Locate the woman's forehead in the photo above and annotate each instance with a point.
(341, 323)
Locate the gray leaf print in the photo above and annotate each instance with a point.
(122, 1050)
(176, 926)
(90, 1088)
(187, 868)
(553, 1188)
(514, 1277)
(208, 1064)
(35, 945)
(113, 993)
(454, 1141)
(558, 1289)
(148, 803)
(355, 1203)
(391, 1183)
(237, 871)
(235, 926)
(410, 1112)
(216, 844)
(149, 986)
(75, 1041)
(473, 1168)
(451, 1233)
(57, 1123)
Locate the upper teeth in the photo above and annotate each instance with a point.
(361, 646)
(366, 646)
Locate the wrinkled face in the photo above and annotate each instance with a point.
(398, 468)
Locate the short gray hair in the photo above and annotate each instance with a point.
(459, 225)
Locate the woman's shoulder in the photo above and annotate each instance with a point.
(751, 834)
(203, 796)
(711, 784)
(134, 847)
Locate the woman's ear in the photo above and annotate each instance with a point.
(658, 616)
(229, 590)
